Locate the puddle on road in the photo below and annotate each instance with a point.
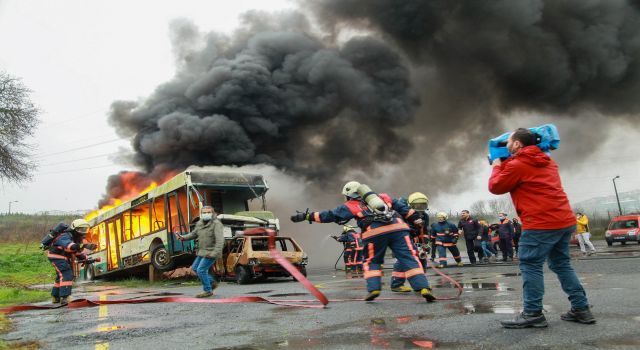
(260, 292)
(489, 307)
(501, 287)
(287, 295)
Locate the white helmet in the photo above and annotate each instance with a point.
(80, 226)
(442, 216)
(350, 189)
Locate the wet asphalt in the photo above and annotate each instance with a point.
(491, 293)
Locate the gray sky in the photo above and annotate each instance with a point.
(80, 56)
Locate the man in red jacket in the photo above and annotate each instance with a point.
(533, 180)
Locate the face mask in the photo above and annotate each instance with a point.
(207, 216)
(501, 218)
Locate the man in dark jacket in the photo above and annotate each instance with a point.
(506, 232)
(533, 180)
(210, 234)
(472, 230)
(517, 229)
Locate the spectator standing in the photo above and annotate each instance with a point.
(533, 180)
(471, 229)
(506, 233)
(584, 235)
(517, 228)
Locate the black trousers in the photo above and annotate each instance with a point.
(471, 250)
(505, 248)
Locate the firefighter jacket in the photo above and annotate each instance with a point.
(533, 180)
(210, 235)
(351, 240)
(370, 223)
(66, 247)
(445, 233)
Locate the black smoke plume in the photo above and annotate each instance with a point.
(476, 63)
(273, 93)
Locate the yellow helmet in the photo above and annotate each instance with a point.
(350, 189)
(80, 225)
(418, 200)
(347, 228)
(442, 216)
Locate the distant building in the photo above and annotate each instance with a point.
(607, 205)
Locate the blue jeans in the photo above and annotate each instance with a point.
(485, 248)
(201, 267)
(536, 246)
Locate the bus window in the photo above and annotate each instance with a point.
(157, 214)
(127, 233)
(178, 210)
(212, 198)
(194, 210)
(140, 223)
(92, 236)
(102, 236)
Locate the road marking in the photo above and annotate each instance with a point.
(103, 312)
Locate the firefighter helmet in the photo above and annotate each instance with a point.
(418, 201)
(348, 228)
(80, 226)
(442, 216)
(350, 189)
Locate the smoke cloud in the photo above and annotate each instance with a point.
(272, 93)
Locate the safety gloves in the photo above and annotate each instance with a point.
(299, 217)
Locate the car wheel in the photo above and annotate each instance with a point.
(161, 259)
(89, 273)
(609, 243)
(243, 275)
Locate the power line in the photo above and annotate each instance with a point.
(78, 159)
(78, 148)
(76, 170)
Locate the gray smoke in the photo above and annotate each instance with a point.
(474, 63)
(272, 93)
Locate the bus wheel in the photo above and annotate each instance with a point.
(89, 273)
(243, 275)
(161, 259)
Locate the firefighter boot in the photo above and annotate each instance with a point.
(401, 289)
(372, 295)
(581, 316)
(64, 301)
(460, 264)
(526, 320)
(55, 300)
(426, 293)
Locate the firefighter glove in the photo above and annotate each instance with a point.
(299, 217)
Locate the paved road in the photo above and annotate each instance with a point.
(491, 293)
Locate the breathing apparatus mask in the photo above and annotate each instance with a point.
(547, 139)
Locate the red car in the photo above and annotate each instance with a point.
(623, 229)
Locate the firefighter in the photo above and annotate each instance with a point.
(352, 243)
(65, 248)
(446, 237)
(381, 226)
(419, 204)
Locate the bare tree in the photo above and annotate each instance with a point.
(502, 205)
(18, 120)
(478, 209)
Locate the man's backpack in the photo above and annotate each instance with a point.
(50, 237)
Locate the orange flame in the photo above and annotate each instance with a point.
(133, 187)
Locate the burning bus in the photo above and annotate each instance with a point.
(131, 235)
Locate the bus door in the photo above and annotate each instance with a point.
(113, 245)
(177, 224)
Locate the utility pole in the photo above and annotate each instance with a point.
(10, 205)
(616, 190)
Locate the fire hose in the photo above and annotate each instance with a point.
(307, 303)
